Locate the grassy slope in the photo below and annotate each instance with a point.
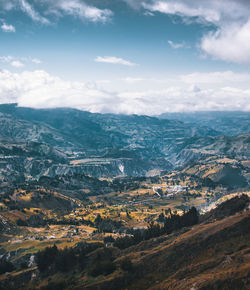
(211, 254)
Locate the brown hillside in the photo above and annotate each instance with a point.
(208, 256)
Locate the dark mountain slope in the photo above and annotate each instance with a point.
(211, 255)
(196, 148)
(106, 130)
(107, 145)
(114, 144)
(228, 123)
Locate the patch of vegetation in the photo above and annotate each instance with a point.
(126, 264)
(171, 224)
(102, 268)
(6, 266)
(228, 208)
(53, 260)
(107, 225)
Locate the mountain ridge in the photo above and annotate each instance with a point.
(107, 145)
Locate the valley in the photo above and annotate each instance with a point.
(124, 145)
(130, 188)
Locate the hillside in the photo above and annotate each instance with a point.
(213, 254)
(228, 123)
(112, 145)
(104, 201)
(125, 145)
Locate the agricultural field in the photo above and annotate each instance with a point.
(46, 217)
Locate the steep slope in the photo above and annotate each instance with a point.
(32, 164)
(12, 127)
(211, 255)
(228, 123)
(197, 148)
(101, 145)
(106, 130)
(108, 145)
(20, 160)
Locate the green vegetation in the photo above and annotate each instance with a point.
(6, 266)
(110, 202)
(126, 264)
(171, 224)
(53, 260)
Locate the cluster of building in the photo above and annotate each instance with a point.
(170, 190)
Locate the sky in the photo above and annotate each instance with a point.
(126, 56)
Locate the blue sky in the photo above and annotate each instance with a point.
(122, 56)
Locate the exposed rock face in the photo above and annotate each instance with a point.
(99, 168)
(199, 148)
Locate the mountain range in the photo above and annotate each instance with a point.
(58, 142)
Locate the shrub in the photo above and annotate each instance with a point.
(46, 258)
(102, 268)
(65, 260)
(21, 223)
(6, 266)
(24, 265)
(126, 265)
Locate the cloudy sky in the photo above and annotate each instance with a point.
(126, 56)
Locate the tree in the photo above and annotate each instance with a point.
(65, 260)
(191, 217)
(98, 219)
(161, 218)
(46, 258)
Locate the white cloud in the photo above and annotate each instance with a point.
(217, 78)
(36, 61)
(177, 45)
(45, 11)
(114, 60)
(183, 8)
(148, 13)
(41, 90)
(8, 28)
(80, 10)
(6, 59)
(17, 64)
(229, 39)
(230, 43)
(133, 80)
(177, 99)
(212, 11)
(33, 14)
(135, 4)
